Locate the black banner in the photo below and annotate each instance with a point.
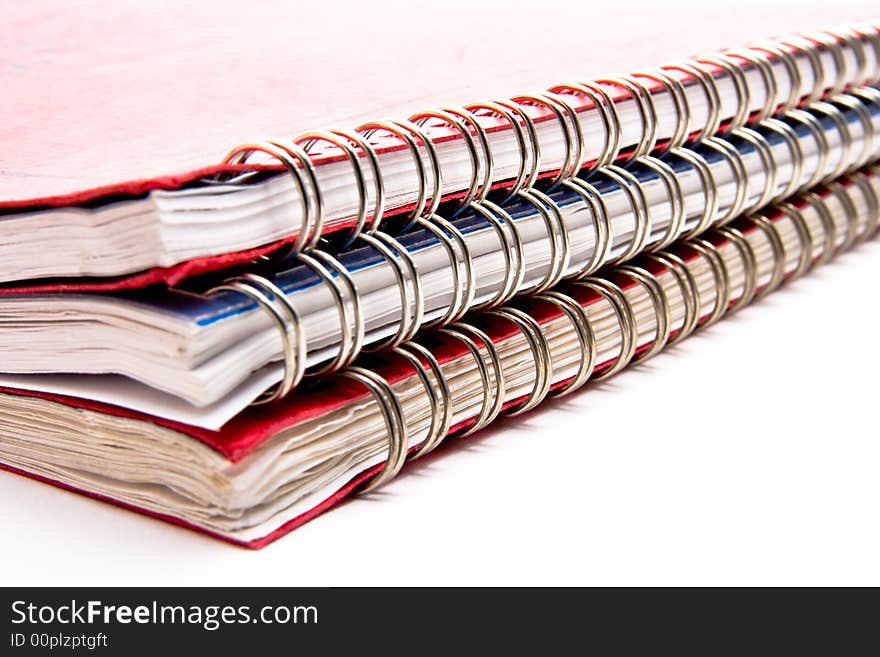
(242, 621)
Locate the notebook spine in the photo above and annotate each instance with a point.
(765, 78)
(801, 233)
(854, 148)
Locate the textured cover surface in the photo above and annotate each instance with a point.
(125, 97)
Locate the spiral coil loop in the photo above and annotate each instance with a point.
(632, 188)
(644, 100)
(676, 199)
(689, 291)
(560, 254)
(749, 262)
(768, 164)
(626, 320)
(585, 335)
(789, 136)
(348, 306)
(392, 413)
(601, 225)
(440, 396)
(409, 286)
(493, 391)
(661, 308)
(270, 297)
(676, 91)
(805, 239)
(741, 176)
(541, 352)
(740, 85)
(775, 240)
(719, 272)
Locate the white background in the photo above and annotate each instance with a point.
(746, 455)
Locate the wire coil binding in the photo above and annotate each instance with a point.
(569, 106)
(699, 311)
(847, 113)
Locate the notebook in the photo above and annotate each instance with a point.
(274, 467)
(201, 354)
(238, 347)
(136, 196)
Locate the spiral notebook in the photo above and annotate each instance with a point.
(201, 355)
(70, 223)
(275, 467)
(239, 347)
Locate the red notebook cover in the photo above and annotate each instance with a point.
(107, 101)
(243, 434)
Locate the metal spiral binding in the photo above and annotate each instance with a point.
(602, 224)
(689, 291)
(775, 240)
(440, 396)
(840, 122)
(625, 317)
(342, 140)
(586, 338)
(706, 81)
(541, 352)
(707, 184)
(661, 308)
(348, 305)
(437, 391)
(760, 61)
(675, 88)
(407, 132)
(741, 176)
(768, 164)
(789, 136)
(559, 242)
(740, 85)
(493, 391)
(805, 238)
(512, 250)
(630, 186)
(676, 199)
(299, 156)
(603, 102)
(851, 235)
(750, 265)
(815, 128)
(269, 296)
(345, 295)
(407, 280)
(392, 412)
(829, 227)
(719, 272)
(647, 110)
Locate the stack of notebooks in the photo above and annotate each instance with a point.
(239, 350)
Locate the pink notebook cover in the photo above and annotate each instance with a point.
(103, 99)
